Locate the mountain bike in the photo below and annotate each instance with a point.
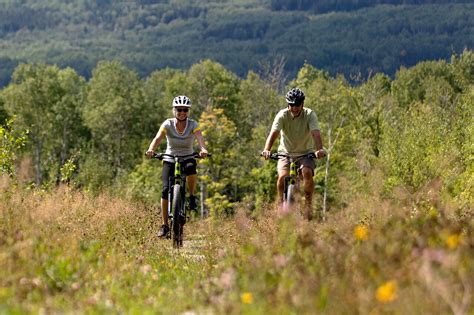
(177, 196)
(291, 181)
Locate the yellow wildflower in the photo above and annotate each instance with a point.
(387, 292)
(361, 232)
(4, 292)
(246, 298)
(453, 241)
(433, 213)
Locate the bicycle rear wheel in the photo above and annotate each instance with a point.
(177, 222)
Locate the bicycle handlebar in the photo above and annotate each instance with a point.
(161, 156)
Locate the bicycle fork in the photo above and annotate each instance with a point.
(176, 180)
(290, 180)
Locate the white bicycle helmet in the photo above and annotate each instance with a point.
(181, 101)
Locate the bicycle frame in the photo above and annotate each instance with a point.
(177, 179)
(291, 180)
(177, 197)
(177, 204)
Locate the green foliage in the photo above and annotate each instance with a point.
(95, 172)
(68, 169)
(59, 272)
(158, 91)
(3, 113)
(114, 105)
(221, 172)
(7, 66)
(144, 182)
(47, 101)
(415, 130)
(260, 103)
(265, 177)
(423, 148)
(213, 86)
(463, 129)
(431, 139)
(410, 84)
(11, 142)
(413, 144)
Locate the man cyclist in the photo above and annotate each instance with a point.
(180, 133)
(299, 130)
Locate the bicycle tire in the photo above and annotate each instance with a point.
(290, 195)
(177, 224)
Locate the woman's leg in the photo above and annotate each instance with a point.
(164, 211)
(168, 168)
(192, 180)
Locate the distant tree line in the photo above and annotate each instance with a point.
(241, 35)
(92, 133)
(324, 6)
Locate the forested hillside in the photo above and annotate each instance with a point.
(351, 37)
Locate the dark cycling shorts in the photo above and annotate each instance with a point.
(189, 168)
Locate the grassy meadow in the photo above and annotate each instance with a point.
(67, 252)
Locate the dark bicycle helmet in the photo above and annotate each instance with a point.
(181, 101)
(294, 96)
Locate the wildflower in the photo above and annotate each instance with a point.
(246, 298)
(227, 278)
(361, 232)
(75, 286)
(387, 292)
(4, 292)
(433, 213)
(453, 241)
(145, 269)
(280, 260)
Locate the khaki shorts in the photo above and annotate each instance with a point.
(284, 164)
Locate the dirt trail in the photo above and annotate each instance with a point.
(193, 247)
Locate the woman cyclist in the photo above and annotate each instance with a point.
(180, 133)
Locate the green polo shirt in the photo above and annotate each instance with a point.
(295, 133)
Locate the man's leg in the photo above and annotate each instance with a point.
(282, 173)
(283, 168)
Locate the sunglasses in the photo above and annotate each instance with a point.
(293, 105)
(179, 110)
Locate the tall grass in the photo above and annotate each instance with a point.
(65, 251)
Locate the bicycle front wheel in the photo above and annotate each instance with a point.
(290, 195)
(177, 222)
